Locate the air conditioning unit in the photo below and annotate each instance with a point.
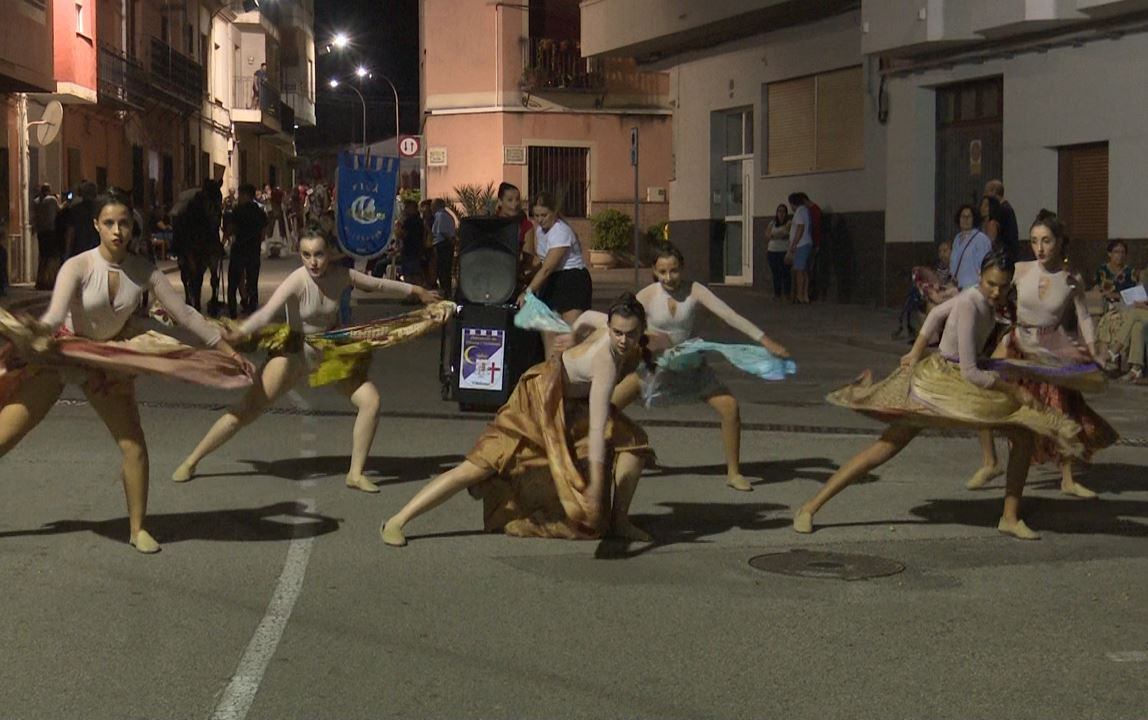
(656, 194)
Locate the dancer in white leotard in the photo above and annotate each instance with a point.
(528, 465)
(671, 306)
(310, 297)
(94, 297)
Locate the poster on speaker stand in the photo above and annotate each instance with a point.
(481, 364)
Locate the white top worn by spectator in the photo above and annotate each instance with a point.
(80, 299)
(968, 320)
(801, 219)
(443, 228)
(678, 323)
(778, 236)
(557, 237)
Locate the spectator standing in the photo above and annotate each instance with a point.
(990, 212)
(426, 214)
(249, 224)
(45, 209)
(443, 230)
(1009, 232)
(411, 244)
(776, 250)
(81, 231)
(257, 84)
(969, 248)
(800, 252)
(815, 230)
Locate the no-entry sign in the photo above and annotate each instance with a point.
(410, 145)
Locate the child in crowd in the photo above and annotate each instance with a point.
(931, 287)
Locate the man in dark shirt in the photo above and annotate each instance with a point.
(248, 225)
(412, 247)
(1010, 234)
(81, 232)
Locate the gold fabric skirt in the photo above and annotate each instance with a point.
(538, 449)
(934, 394)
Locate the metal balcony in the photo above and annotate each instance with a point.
(123, 83)
(176, 79)
(558, 65)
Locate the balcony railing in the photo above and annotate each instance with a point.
(261, 96)
(175, 75)
(122, 81)
(558, 65)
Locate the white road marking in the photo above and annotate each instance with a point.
(1123, 656)
(238, 696)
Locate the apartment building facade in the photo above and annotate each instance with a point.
(890, 114)
(158, 95)
(508, 96)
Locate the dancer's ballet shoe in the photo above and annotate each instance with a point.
(392, 534)
(739, 482)
(184, 472)
(1017, 529)
(626, 530)
(358, 482)
(982, 476)
(144, 542)
(1077, 490)
(803, 522)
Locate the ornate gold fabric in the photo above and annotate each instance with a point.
(538, 448)
(934, 394)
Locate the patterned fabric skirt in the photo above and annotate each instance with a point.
(32, 348)
(933, 393)
(538, 449)
(1056, 348)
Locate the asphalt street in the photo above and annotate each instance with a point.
(273, 596)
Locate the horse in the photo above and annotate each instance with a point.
(196, 219)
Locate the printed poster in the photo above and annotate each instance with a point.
(481, 364)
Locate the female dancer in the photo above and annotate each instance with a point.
(94, 297)
(1046, 293)
(671, 304)
(529, 466)
(563, 282)
(310, 296)
(949, 389)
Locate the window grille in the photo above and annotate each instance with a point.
(563, 171)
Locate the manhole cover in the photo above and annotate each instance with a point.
(838, 566)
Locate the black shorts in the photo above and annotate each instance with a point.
(568, 290)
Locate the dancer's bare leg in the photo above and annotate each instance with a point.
(30, 402)
(990, 466)
(894, 439)
(627, 472)
(115, 403)
(727, 409)
(626, 391)
(278, 376)
(1019, 458)
(433, 494)
(1068, 484)
(365, 397)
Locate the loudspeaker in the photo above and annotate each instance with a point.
(487, 260)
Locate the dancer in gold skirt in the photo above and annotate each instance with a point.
(948, 389)
(541, 466)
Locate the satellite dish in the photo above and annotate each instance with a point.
(47, 128)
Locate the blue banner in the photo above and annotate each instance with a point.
(366, 206)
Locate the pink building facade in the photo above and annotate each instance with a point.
(507, 96)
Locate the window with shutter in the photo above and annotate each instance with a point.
(1082, 196)
(815, 123)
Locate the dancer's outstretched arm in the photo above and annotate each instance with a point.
(291, 288)
(391, 288)
(730, 317)
(186, 316)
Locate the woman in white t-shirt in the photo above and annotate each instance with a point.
(800, 254)
(563, 282)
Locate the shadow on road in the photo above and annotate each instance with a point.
(1059, 515)
(270, 523)
(693, 522)
(1104, 478)
(387, 470)
(770, 472)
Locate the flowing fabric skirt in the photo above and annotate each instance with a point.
(934, 394)
(33, 348)
(538, 448)
(1058, 349)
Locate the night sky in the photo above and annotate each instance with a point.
(385, 38)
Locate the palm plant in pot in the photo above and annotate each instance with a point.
(612, 234)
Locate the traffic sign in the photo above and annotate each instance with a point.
(410, 145)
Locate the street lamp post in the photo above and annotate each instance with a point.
(335, 84)
(362, 72)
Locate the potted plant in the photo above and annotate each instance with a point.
(612, 233)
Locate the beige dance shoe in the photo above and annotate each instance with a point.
(1017, 529)
(392, 535)
(183, 473)
(983, 475)
(739, 482)
(144, 543)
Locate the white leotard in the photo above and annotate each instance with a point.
(312, 304)
(80, 299)
(1050, 310)
(679, 324)
(592, 372)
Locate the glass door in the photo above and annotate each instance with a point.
(737, 196)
